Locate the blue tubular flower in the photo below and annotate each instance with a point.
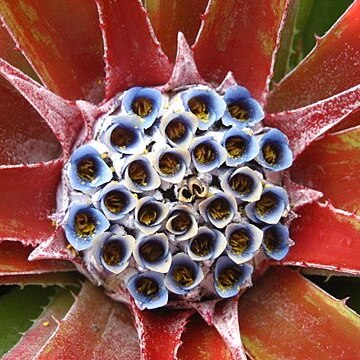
(275, 153)
(243, 241)
(112, 252)
(207, 154)
(184, 275)
(179, 128)
(149, 214)
(276, 241)
(125, 135)
(87, 169)
(152, 253)
(143, 102)
(270, 207)
(139, 175)
(218, 209)
(208, 244)
(240, 146)
(230, 278)
(171, 164)
(83, 224)
(244, 184)
(181, 223)
(116, 201)
(205, 104)
(242, 110)
(148, 290)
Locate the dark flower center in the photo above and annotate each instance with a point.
(241, 183)
(142, 106)
(219, 209)
(266, 203)
(138, 173)
(152, 251)
(113, 253)
(147, 286)
(204, 153)
(86, 169)
(201, 245)
(169, 164)
(184, 275)
(121, 137)
(235, 146)
(148, 214)
(175, 130)
(271, 153)
(239, 241)
(84, 224)
(228, 277)
(181, 222)
(199, 108)
(115, 201)
(271, 241)
(238, 112)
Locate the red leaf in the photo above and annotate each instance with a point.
(285, 316)
(332, 166)
(62, 41)
(132, 54)
(27, 198)
(45, 279)
(63, 117)
(159, 331)
(304, 125)
(240, 37)
(201, 341)
(332, 67)
(325, 238)
(95, 327)
(168, 17)
(14, 261)
(42, 329)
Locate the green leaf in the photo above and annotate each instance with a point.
(17, 310)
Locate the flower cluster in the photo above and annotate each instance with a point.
(172, 193)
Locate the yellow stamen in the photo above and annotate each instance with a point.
(147, 286)
(115, 201)
(238, 112)
(228, 277)
(138, 173)
(239, 241)
(204, 153)
(181, 222)
(183, 275)
(121, 137)
(152, 251)
(169, 164)
(270, 153)
(241, 183)
(148, 215)
(113, 253)
(201, 245)
(219, 209)
(199, 108)
(235, 146)
(142, 106)
(86, 169)
(175, 130)
(266, 203)
(84, 224)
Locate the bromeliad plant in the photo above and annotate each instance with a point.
(173, 187)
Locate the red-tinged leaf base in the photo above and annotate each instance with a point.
(332, 67)
(332, 166)
(160, 331)
(95, 327)
(284, 316)
(42, 329)
(27, 198)
(240, 37)
(202, 342)
(325, 238)
(14, 261)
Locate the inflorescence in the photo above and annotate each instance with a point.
(172, 197)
